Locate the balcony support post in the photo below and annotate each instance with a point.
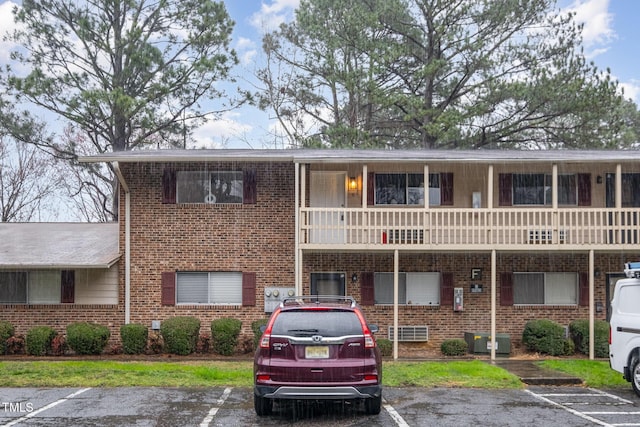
(493, 304)
(591, 306)
(396, 266)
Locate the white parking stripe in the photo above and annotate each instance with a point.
(573, 411)
(44, 408)
(213, 411)
(395, 415)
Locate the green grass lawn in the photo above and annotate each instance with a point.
(475, 374)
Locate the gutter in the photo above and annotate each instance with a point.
(127, 242)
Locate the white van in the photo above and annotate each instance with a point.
(624, 329)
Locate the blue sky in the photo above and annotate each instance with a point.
(611, 39)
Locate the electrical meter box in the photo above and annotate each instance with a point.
(274, 296)
(458, 299)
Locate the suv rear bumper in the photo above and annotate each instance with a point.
(323, 393)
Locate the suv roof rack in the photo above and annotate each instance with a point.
(317, 299)
(632, 270)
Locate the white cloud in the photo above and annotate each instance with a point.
(597, 20)
(632, 90)
(218, 133)
(272, 15)
(7, 25)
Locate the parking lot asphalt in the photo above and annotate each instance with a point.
(569, 406)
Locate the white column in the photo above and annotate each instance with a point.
(493, 304)
(396, 264)
(592, 335)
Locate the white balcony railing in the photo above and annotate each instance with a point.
(469, 227)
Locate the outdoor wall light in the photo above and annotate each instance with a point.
(354, 277)
(353, 184)
(599, 179)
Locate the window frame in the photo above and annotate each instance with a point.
(405, 281)
(46, 285)
(230, 191)
(409, 187)
(547, 284)
(567, 191)
(213, 279)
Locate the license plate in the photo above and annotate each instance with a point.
(316, 352)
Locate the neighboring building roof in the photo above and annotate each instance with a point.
(58, 245)
(363, 156)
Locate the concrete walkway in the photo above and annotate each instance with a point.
(532, 374)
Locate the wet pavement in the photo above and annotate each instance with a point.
(532, 374)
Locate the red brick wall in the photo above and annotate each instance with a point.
(443, 322)
(198, 237)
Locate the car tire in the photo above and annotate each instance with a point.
(262, 405)
(635, 374)
(372, 405)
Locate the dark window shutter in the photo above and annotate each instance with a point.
(249, 289)
(446, 189)
(583, 289)
(68, 286)
(367, 293)
(371, 188)
(249, 190)
(505, 189)
(446, 289)
(506, 289)
(584, 189)
(169, 186)
(169, 288)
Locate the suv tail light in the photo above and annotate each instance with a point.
(369, 342)
(266, 335)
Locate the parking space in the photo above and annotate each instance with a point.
(596, 406)
(219, 406)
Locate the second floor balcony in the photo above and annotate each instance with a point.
(469, 229)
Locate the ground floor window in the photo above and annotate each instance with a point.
(328, 284)
(413, 288)
(209, 288)
(545, 288)
(30, 287)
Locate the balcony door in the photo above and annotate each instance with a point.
(328, 190)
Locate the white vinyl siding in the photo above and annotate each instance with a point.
(209, 288)
(97, 286)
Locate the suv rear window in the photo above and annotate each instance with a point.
(305, 323)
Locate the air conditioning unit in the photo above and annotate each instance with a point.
(410, 333)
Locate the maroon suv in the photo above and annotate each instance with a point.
(317, 348)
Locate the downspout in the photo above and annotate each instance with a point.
(127, 242)
(297, 256)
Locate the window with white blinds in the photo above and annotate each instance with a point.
(545, 288)
(413, 288)
(209, 288)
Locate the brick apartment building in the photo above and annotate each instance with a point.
(433, 244)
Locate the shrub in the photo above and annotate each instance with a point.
(180, 334)
(454, 347)
(547, 337)
(257, 333)
(134, 338)
(579, 330)
(6, 331)
(155, 344)
(59, 345)
(224, 335)
(15, 345)
(386, 347)
(38, 340)
(87, 338)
